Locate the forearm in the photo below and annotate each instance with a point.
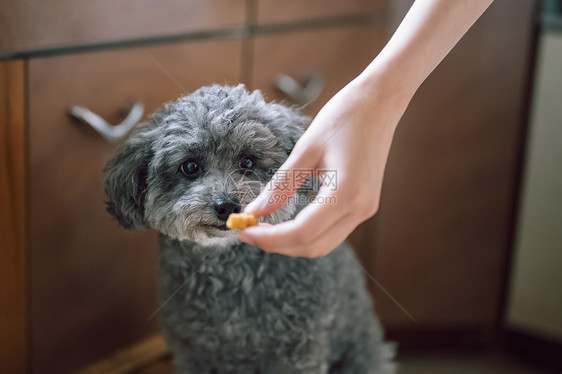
(426, 35)
(353, 132)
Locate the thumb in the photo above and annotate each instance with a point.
(284, 183)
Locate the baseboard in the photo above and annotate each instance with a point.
(532, 347)
(454, 338)
(130, 359)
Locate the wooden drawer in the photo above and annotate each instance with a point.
(337, 54)
(271, 11)
(93, 284)
(36, 24)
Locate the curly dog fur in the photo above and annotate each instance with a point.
(229, 307)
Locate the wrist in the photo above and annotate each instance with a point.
(388, 91)
(389, 78)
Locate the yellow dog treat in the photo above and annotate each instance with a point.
(241, 220)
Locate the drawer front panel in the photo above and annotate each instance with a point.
(93, 284)
(449, 188)
(36, 24)
(273, 11)
(338, 55)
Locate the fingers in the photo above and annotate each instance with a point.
(295, 241)
(284, 183)
(320, 214)
(319, 227)
(317, 230)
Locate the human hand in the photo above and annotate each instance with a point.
(353, 131)
(351, 134)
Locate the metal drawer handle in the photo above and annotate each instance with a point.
(298, 93)
(107, 131)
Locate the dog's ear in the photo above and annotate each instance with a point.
(126, 180)
(288, 125)
(295, 128)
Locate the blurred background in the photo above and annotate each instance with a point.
(463, 257)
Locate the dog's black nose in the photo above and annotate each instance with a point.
(223, 208)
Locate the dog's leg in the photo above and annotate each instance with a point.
(186, 361)
(311, 358)
(366, 355)
(278, 367)
(184, 365)
(193, 368)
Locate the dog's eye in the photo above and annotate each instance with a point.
(190, 168)
(247, 163)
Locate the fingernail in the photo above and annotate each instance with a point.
(254, 205)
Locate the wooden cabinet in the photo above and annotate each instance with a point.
(82, 287)
(92, 283)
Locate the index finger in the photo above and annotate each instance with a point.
(314, 221)
(283, 184)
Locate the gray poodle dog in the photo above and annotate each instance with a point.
(227, 306)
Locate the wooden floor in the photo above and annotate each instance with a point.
(429, 363)
(163, 366)
(467, 363)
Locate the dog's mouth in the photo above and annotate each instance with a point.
(221, 227)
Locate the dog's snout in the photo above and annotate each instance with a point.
(224, 208)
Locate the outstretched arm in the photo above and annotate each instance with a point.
(353, 132)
